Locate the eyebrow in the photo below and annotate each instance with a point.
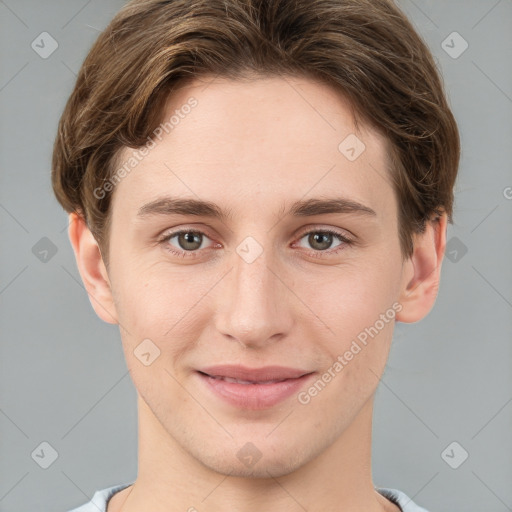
(301, 208)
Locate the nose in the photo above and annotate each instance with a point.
(254, 301)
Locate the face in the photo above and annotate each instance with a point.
(276, 280)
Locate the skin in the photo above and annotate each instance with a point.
(254, 147)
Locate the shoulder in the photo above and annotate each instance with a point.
(100, 499)
(401, 499)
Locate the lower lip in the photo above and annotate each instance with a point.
(254, 396)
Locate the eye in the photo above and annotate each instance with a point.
(322, 239)
(188, 242)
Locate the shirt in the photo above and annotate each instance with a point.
(100, 499)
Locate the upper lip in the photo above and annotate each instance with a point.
(265, 373)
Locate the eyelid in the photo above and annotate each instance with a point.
(345, 241)
(344, 233)
(304, 231)
(345, 237)
(168, 235)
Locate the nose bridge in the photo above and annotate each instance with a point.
(253, 306)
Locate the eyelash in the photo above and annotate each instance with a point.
(316, 254)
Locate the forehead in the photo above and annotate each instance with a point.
(266, 138)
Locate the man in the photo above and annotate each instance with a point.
(257, 191)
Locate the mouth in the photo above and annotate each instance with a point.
(253, 375)
(256, 389)
(239, 381)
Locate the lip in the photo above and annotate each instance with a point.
(255, 391)
(262, 374)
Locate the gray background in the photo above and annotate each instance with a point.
(63, 376)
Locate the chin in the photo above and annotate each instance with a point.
(272, 462)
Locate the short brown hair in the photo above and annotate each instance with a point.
(366, 49)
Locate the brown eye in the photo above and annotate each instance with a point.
(320, 241)
(187, 243)
(189, 240)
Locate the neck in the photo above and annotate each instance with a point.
(170, 479)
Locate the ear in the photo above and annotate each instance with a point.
(422, 272)
(92, 269)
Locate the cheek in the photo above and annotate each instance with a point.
(353, 299)
(357, 306)
(354, 354)
(162, 306)
(146, 297)
(169, 304)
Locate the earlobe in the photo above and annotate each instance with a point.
(422, 272)
(92, 269)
